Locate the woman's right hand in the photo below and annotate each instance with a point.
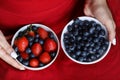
(5, 53)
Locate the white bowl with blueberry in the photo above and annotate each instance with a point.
(36, 45)
(85, 40)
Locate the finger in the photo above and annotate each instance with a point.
(111, 31)
(87, 11)
(4, 44)
(7, 58)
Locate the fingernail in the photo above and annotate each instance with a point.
(22, 68)
(14, 54)
(114, 41)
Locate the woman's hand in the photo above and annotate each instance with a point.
(6, 51)
(100, 10)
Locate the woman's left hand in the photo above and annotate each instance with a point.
(99, 9)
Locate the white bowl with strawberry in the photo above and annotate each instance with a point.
(36, 45)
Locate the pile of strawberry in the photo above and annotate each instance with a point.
(35, 46)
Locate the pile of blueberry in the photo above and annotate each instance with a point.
(35, 46)
(85, 41)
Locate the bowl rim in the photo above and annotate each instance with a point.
(89, 19)
(47, 29)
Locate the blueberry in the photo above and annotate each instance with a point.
(98, 27)
(80, 59)
(80, 33)
(78, 47)
(83, 53)
(36, 40)
(76, 32)
(98, 56)
(66, 41)
(18, 53)
(85, 48)
(84, 38)
(77, 21)
(102, 32)
(68, 50)
(30, 38)
(53, 54)
(95, 35)
(94, 50)
(82, 43)
(89, 39)
(81, 23)
(41, 64)
(51, 35)
(104, 47)
(100, 51)
(34, 28)
(72, 39)
(19, 58)
(101, 39)
(93, 57)
(66, 46)
(86, 23)
(92, 44)
(20, 34)
(71, 35)
(73, 56)
(41, 41)
(69, 28)
(77, 53)
(96, 40)
(76, 26)
(86, 34)
(66, 36)
(93, 23)
(25, 62)
(15, 48)
(32, 55)
(106, 42)
(90, 49)
(30, 43)
(89, 59)
(87, 44)
(28, 50)
(72, 47)
(78, 38)
(37, 36)
(91, 30)
(84, 59)
(97, 47)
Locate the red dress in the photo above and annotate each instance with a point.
(56, 14)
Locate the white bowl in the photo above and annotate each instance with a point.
(65, 30)
(47, 29)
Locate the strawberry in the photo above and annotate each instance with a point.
(45, 57)
(24, 55)
(34, 62)
(50, 45)
(36, 49)
(22, 43)
(31, 33)
(42, 33)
